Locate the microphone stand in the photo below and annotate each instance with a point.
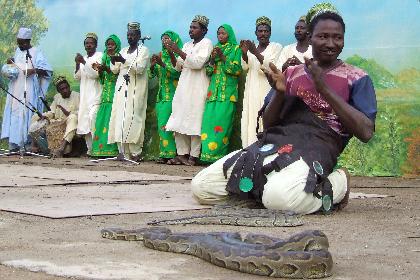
(121, 155)
(23, 152)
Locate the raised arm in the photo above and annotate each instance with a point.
(355, 122)
(278, 82)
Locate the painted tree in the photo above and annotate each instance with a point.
(413, 155)
(15, 14)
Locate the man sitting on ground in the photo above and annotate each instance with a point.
(64, 107)
(315, 109)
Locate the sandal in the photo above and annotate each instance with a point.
(174, 161)
(162, 160)
(136, 158)
(192, 161)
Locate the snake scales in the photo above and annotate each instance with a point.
(238, 213)
(303, 255)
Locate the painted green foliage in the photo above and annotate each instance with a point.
(385, 152)
(13, 15)
(381, 77)
(398, 117)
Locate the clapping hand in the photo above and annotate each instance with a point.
(157, 59)
(251, 47)
(276, 78)
(316, 73)
(293, 61)
(117, 58)
(244, 46)
(248, 45)
(216, 52)
(79, 59)
(153, 60)
(171, 46)
(97, 66)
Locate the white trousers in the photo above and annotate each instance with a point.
(130, 149)
(284, 190)
(187, 144)
(88, 139)
(88, 136)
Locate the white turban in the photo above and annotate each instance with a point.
(24, 33)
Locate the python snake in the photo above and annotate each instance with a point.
(238, 213)
(302, 255)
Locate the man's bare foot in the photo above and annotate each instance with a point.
(136, 158)
(343, 203)
(192, 161)
(184, 159)
(162, 160)
(174, 161)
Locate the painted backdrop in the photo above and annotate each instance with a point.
(381, 37)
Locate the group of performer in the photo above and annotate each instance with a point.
(196, 102)
(305, 101)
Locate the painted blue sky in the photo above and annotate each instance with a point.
(381, 29)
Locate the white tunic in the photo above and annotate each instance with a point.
(90, 94)
(71, 104)
(190, 94)
(290, 51)
(135, 107)
(16, 117)
(256, 88)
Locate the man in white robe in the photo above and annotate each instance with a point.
(190, 95)
(254, 59)
(293, 54)
(64, 108)
(16, 117)
(128, 115)
(90, 88)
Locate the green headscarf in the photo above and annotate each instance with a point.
(174, 38)
(106, 59)
(231, 42)
(231, 34)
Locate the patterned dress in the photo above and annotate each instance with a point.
(100, 146)
(221, 101)
(168, 81)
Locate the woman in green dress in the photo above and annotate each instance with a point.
(100, 146)
(162, 67)
(224, 68)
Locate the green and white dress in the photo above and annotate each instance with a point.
(100, 146)
(221, 100)
(168, 81)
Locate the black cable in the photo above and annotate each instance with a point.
(31, 107)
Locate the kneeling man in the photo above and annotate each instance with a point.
(312, 112)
